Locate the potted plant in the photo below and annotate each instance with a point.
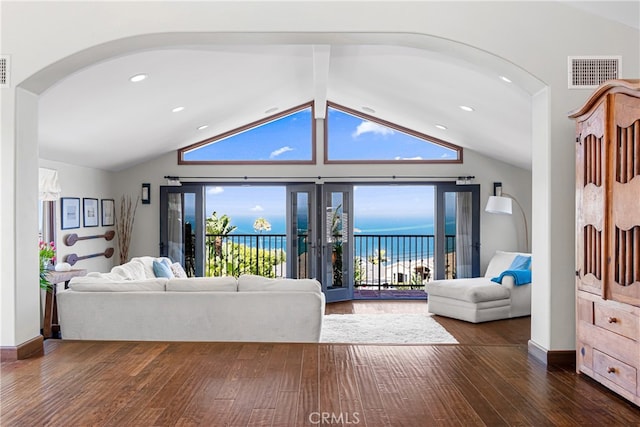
(47, 259)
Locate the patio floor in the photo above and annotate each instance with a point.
(390, 294)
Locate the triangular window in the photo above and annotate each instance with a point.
(286, 137)
(354, 137)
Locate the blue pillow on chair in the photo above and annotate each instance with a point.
(520, 262)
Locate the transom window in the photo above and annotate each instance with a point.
(350, 137)
(356, 137)
(283, 138)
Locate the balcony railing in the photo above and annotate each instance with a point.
(379, 261)
(398, 261)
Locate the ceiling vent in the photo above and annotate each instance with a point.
(4, 71)
(589, 72)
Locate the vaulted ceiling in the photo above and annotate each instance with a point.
(98, 118)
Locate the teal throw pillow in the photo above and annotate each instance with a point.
(521, 262)
(161, 269)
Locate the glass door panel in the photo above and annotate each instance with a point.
(337, 271)
(302, 259)
(458, 232)
(181, 237)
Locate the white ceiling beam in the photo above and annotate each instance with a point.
(321, 59)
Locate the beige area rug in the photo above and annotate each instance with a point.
(383, 329)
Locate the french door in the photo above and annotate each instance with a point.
(302, 232)
(319, 228)
(337, 241)
(182, 226)
(320, 236)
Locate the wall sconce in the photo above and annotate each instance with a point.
(146, 194)
(499, 204)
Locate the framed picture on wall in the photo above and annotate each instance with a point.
(70, 212)
(90, 212)
(108, 212)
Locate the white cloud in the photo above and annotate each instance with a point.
(215, 190)
(445, 155)
(407, 158)
(279, 151)
(371, 127)
(257, 208)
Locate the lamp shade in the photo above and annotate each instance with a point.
(499, 205)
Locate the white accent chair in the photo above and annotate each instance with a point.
(479, 299)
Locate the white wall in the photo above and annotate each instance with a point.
(81, 182)
(535, 36)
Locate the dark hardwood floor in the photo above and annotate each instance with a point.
(487, 379)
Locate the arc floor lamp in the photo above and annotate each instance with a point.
(499, 204)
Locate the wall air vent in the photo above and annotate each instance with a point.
(588, 72)
(4, 71)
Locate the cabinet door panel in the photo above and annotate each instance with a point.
(623, 283)
(590, 202)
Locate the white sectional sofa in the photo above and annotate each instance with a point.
(122, 305)
(480, 299)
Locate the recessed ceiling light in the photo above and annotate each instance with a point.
(466, 108)
(443, 127)
(368, 110)
(203, 127)
(137, 78)
(271, 110)
(177, 109)
(505, 79)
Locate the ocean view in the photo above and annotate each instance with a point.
(377, 226)
(390, 211)
(366, 242)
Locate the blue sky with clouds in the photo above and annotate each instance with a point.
(377, 208)
(349, 138)
(287, 138)
(352, 138)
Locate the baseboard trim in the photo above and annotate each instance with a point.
(32, 348)
(552, 358)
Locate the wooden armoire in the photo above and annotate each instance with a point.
(608, 237)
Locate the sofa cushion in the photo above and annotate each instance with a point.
(474, 290)
(253, 283)
(203, 284)
(93, 284)
(162, 268)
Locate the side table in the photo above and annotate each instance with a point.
(50, 327)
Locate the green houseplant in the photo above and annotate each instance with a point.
(47, 258)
